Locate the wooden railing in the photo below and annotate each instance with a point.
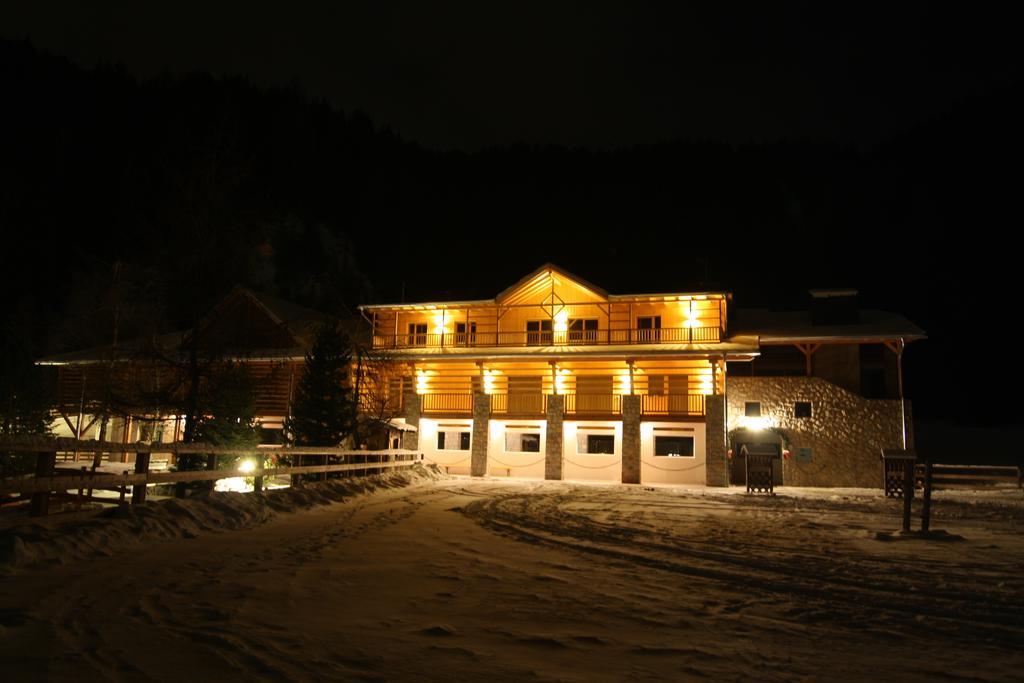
(48, 480)
(667, 335)
(447, 403)
(593, 404)
(672, 404)
(519, 404)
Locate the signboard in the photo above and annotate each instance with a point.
(803, 455)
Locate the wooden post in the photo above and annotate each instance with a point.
(124, 488)
(44, 468)
(296, 462)
(327, 458)
(78, 499)
(141, 467)
(908, 492)
(257, 481)
(926, 505)
(211, 466)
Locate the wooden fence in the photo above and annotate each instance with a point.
(49, 479)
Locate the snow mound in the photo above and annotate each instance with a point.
(115, 529)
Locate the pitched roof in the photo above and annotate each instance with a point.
(795, 326)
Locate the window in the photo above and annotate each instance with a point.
(461, 334)
(582, 331)
(648, 328)
(599, 444)
(538, 332)
(752, 409)
(802, 409)
(673, 446)
(656, 385)
(417, 334)
(452, 440)
(522, 442)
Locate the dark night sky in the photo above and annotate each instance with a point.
(478, 74)
(857, 145)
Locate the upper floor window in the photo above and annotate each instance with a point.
(538, 332)
(417, 334)
(582, 331)
(648, 328)
(752, 409)
(464, 335)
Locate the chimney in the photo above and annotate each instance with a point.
(835, 307)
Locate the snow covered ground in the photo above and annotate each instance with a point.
(410, 576)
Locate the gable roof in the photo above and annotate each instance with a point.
(542, 279)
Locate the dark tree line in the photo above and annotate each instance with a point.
(135, 206)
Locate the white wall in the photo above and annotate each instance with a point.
(453, 462)
(503, 464)
(662, 470)
(589, 467)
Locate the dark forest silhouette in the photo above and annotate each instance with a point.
(129, 208)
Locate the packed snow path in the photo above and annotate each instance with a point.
(468, 579)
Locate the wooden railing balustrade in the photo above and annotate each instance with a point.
(666, 335)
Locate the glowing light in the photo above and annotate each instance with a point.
(625, 384)
(439, 323)
(489, 376)
(756, 423)
(561, 323)
(247, 466)
(560, 381)
(421, 382)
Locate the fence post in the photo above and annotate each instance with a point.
(327, 461)
(44, 468)
(908, 492)
(257, 480)
(141, 467)
(926, 504)
(296, 462)
(81, 487)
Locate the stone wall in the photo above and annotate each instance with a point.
(715, 471)
(481, 434)
(553, 447)
(412, 411)
(630, 439)
(845, 432)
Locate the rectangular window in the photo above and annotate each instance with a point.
(452, 440)
(417, 334)
(752, 409)
(595, 444)
(522, 442)
(802, 409)
(464, 337)
(673, 446)
(582, 331)
(656, 385)
(648, 328)
(538, 332)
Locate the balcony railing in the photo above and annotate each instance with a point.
(519, 404)
(666, 335)
(447, 403)
(593, 404)
(575, 404)
(672, 404)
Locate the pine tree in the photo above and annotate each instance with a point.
(228, 417)
(324, 406)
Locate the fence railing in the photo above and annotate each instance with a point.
(49, 479)
(666, 335)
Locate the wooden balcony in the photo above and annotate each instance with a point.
(672, 404)
(670, 335)
(535, 405)
(593, 404)
(532, 405)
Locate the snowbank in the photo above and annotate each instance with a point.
(115, 529)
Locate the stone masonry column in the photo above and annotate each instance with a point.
(412, 403)
(630, 439)
(481, 434)
(716, 470)
(553, 441)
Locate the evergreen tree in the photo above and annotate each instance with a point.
(324, 406)
(228, 416)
